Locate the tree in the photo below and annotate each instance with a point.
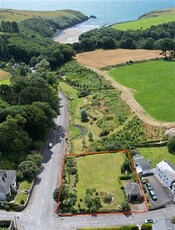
(84, 115)
(171, 145)
(28, 169)
(36, 158)
(165, 44)
(55, 194)
(90, 135)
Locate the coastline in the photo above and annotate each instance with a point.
(71, 35)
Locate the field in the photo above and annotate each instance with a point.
(101, 172)
(20, 15)
(157, 154)
(103, 58)
(153, 86)
(155, 18)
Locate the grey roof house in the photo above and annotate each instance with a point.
(7, 183)
(143, 166)
(163, 225)
(133, 192)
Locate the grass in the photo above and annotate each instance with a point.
(19, 197)
(157, 154)
(25, 185)
(101, 172)
(145, 23)
(4, 77)
(20, 15)
(153, 84)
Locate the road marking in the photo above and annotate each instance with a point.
(42, 202)
(46, 183)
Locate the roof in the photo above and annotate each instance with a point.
(167, 168)
(132, 188)
(170, 132)
(163, 225)
(6, 179)
(142, 162)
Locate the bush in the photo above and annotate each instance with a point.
(108, 198)
(125, 177)
(146, 227)
(7, 207)
(129, 227)
(22, 202)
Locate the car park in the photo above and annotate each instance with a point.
(148, 221)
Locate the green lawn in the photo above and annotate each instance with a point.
(101, 172)
(154, 86)
(25, 185)
(157, 154)
(4, 77)
(145, 23)
(20, 196)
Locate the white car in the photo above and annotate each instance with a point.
(50, 145)
(148, 221)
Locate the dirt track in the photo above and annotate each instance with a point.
(100, 58)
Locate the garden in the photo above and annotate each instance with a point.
(99, 119)
(95, 183)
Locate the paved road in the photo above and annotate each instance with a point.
(40, 212)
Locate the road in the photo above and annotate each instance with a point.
(40, 212)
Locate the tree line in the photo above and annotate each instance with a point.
(156, 37)
(10, 27)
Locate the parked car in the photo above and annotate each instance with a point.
(148, 185)
(153, 195)
(147, 221)
(50, 145)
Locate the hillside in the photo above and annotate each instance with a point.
(147, 20)
(44, 23)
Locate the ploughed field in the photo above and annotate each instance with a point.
(103, 58)
(152, 19)
(153, 85)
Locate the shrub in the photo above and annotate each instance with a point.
(7, 207)
(125, 177)
(22, 202)
(108, 198)
(146, 227)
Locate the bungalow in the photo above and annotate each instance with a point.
(143, 166)
(7, 183)
(165, 172)
(132, 191)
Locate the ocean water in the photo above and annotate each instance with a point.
(106, 11)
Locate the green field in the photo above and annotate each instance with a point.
(154, 86)
(20, 15)
(157, 154)
(156, 18)
(4, 77)
(101, 172)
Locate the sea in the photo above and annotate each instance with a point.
(107, 12)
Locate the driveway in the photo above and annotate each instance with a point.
(163, 194)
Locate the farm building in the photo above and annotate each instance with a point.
(142, 165)
(132, 191)
(7, 183)
(165, 172)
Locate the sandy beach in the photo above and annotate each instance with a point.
(71, 35)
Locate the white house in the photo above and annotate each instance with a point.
(7, 183)
(165, 172)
